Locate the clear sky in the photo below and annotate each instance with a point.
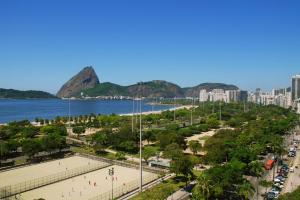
(247, 43)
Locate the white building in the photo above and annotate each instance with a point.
(203, 96)
(217, 95)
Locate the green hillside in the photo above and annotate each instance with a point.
(30, 94)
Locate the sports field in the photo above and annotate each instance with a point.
(31, 172)
(90, 185)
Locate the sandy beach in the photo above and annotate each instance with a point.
(160, 111)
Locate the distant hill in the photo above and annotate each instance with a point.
(105, 89)
(30, 94)
(194, 91)
(156, 88)
(85, 79)
(151, 89)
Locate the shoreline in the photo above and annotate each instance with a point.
(130, 114)
(159, 111)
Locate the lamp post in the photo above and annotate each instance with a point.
(111, 173)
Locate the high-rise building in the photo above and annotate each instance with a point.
(217, 95)
(243, 96)
(295, 87)
(203, 96)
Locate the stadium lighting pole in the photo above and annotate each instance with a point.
(141, 169)
(192, 111)
(111, 173)
(69, 112)
(220, 111)
(132, 118)
(174, 109)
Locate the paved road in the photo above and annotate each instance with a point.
(293, 180)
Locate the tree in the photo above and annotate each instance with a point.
(53, 141)
(78, 130)
(256, 169)
(120, 156)
(182, 165)
(4, 150)
(246, 190)
(173, 151)
(203, 188)
(195, 146)
(30, 147)
(99, 141)
(148, 152)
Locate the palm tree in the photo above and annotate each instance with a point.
(203, 187)
(246, 190)
(256, 169)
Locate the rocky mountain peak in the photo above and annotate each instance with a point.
(85, 79)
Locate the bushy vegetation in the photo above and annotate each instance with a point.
(22, 138)
(291, 196)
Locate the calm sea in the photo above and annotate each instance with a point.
(15, 109)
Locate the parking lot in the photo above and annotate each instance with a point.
(287, 175)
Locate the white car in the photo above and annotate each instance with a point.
(292, 170)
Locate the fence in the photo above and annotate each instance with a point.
(125, 189)
(124, 164)
(11, 190)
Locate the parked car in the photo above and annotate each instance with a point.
(280, 178)
(278, 186)
(292, 170)
(275, 191)
(278, 181)
(272, 195)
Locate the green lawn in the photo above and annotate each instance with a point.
(161, 191)
(89, 150)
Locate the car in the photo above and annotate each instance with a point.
(280, 178)
(291, 154)
(292, 170)
(278, 181)
(278, 186)
(272, 195)
(283, 174)
(275, 191)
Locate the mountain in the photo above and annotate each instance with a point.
(105, 89)
(194, 91)
(151, 89)
(86, 83)
(30, 94)
(147, 89)
(156, 88)
(85, 79)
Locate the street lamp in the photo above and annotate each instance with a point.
(111, 173)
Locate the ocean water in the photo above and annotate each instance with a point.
(20, 109)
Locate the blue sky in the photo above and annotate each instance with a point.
(247, 43)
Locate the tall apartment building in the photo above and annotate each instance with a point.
(295, 87)
(203, 96)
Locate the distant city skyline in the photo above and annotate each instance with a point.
(249, 44)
